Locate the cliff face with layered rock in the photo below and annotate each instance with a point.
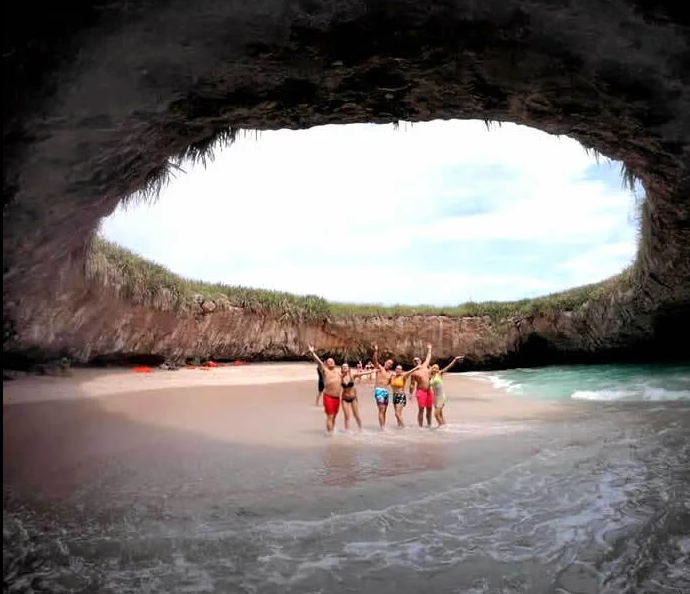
(100, 104)
(92, 320)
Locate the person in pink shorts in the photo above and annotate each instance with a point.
(420, 386)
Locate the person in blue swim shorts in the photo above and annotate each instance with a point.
(383, 379)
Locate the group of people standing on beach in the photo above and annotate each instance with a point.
(337, 385)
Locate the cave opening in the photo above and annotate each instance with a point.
(479, 211)
(126, 90)
(113, 484)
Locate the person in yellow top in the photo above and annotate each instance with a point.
(397, 383)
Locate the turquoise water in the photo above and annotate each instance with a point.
(652, 382)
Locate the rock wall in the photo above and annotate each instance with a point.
(96, 103)
(89, 320)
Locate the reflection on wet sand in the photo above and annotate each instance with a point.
(351, 463)
(213, 440)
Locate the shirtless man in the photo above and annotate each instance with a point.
(383, 379)
(331, 389)
(420, 386)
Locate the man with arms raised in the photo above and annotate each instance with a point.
(421, 387)
(331, 389)
(381, 382)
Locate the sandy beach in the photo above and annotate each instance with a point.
(267, 404)
(58, 432)
(223, 480)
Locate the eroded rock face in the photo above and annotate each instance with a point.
(95, 103)
(91, 320)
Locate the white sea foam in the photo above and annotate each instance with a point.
(595, 383)
(601, 394)
(649, 394)
(450, 432)
(446, 528)
(495, 380)
(481, 376)
(557, 506)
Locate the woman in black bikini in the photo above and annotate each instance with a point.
(349, 394)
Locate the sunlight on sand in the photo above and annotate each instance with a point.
(273, 405)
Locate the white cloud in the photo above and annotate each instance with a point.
(587, 267)
(332, 211)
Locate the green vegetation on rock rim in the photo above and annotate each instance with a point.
(151, 284)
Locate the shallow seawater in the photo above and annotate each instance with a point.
(594, 501)
(606, 383)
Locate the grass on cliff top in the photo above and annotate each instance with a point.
(150, 284)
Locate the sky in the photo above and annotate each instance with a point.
(438, 213)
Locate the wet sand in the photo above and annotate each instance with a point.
(59, 433)
(258, 405)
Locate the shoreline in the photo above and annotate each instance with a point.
(59, 432)
(207, 472)
(97, 382)
(270, 405)
(90, 382)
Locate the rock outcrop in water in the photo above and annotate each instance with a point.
(96, 104)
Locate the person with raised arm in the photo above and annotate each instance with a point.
(319, 384)
(436, 382)
(398, 385)
(369, 367)
(349, 394)
(360, 371)
(419, 382)
(331, 389)
(416, 362)
(382, 380)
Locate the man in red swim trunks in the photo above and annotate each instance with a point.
(331, 389)
(420, 380)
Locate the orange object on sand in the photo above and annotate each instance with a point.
(142, 369)
(238, 362)
(212, 364)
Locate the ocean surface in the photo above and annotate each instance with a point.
(615, 382)
(594, 499)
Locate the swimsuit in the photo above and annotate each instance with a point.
(347, 385)
(381, 395)
(439, 394)
(425, 398)
(398, 385)
(331, 404)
